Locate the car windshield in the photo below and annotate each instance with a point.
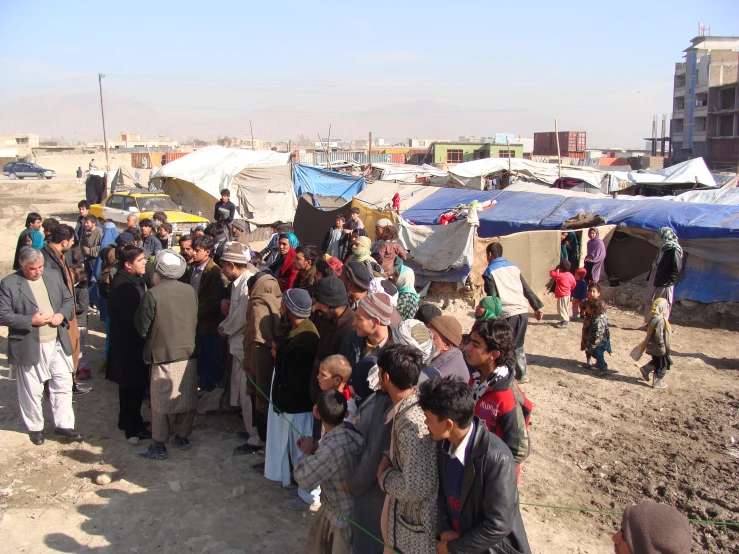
(156, 204)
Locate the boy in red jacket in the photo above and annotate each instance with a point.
(564, 283)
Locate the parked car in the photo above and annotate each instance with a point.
(27, 169)
(119, 205)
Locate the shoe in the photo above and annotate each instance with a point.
(257, 468)
(155, 452)
(248, 449)
(83, 374)
(561, 325)
(602, 371)
(79, 390)
(296, 505)
(290, 493)
(70, 434)
(143, 434)
(523, 379)
(659, 383)
(182, 442)
(37, 437)
(645, 372)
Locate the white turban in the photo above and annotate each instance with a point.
(169, 264)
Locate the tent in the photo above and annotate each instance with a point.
(326, 183)
(260, 182)
(691, 174)
(406, 173)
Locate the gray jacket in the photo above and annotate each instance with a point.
(17, 306)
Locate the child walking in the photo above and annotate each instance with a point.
(327, 464)
(657, 344)
(579, 293)
(599, 336)
(564, 283)
(81, 305)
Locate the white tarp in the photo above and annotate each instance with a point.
(380, 194)
(266, 194)
(407, 173)
(691, 172)
(528, 186)
(213, 168)
(472, 174)
(452, 247)
(726, 197)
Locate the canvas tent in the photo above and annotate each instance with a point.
(687, 175)
(326, 183)
(260, 182)
(406, 173)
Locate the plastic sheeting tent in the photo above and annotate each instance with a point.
(692, 173)
(195, 181)
(327, 183)
(406, 173)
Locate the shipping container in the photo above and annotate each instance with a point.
(169, 157)
(723, 151)
(545, 144)
(398, 158)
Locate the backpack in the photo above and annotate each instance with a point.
(524, 408)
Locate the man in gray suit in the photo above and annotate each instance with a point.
(37, 308)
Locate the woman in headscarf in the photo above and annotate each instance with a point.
(407, 296)
(570, 249)
(37, 239)
(657, 344)
(282, 268)
(489, 307)
(663, 275)
(361, 253)
(595, 257)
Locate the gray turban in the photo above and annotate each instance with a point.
(169, 264)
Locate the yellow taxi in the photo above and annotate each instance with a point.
(119, 205)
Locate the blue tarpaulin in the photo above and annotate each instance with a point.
(518, 211)
(324, 182)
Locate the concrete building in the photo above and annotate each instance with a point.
(22, 140)
(710, 63)
(448, 154)
(134, 140)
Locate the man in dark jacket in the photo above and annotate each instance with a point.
(447, 357)
(478, 499)
(126, 365)
(305, 260)
(225, 209)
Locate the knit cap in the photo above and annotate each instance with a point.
(427, 312)
(331, 292)
(377, 305)
(298, 301)
(651, 528)
(169, 264)
(358, 275)
(448, 327)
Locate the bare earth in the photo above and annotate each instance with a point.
(597, 443)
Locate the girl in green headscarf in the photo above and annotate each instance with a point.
(407, 296)
(489, 308)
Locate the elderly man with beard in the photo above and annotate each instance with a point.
(37, 308)
(236, 268)
(166, 318)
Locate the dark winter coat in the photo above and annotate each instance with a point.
(668, 268)
(332, 335)
(293, 366)
(125, 359)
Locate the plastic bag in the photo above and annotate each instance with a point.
(637, 353)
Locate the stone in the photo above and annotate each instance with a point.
(238, 491)
(175, 486)
(102, 479)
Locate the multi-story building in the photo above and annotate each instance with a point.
(699, 124)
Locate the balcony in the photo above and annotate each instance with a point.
(679, 91)
(678, 114)
(701, 89)
(699, 136)
(680, 69)
(677, 136)
(700, 111)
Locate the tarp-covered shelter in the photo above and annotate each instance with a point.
(260, 182)
(670, 181)
(406, 173)
(326, 183)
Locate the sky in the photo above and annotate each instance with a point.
(397, 69)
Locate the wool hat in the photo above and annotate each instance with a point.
(358, 275)
(239, 225)
(651, 528)
(331, 292)
(384, 222)
(377, 305)
(581, 272)
(427, 312)
(298, 301)
(169, 264)
(236, 253)
(448, 327)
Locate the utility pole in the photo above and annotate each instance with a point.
(559, 157)
(369, 152)
(102, 113)
(251, 130)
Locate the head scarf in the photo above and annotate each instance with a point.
(412, 332)
(361, 252)
(169, 264)
(596, 247)
(574, 245)
(380, 284)
(406, 281)
(284, 261)
(493, 307)
(669, 240)
(37, 240)
(292, 239)
(110, 233)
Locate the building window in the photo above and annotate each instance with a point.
(454, 156)
(504, 154)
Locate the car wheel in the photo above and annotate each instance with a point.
(48, 177)
(19, 177)
(13, 176)
(40, 175)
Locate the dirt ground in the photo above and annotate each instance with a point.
(599, 444)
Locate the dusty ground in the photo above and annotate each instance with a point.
(597, 443)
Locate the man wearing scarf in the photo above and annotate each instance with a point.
(166, 319)
(665, 270)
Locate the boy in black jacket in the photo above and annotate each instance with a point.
(478, 497)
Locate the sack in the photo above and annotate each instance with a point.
(637, 353)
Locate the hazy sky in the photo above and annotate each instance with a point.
(399, 69)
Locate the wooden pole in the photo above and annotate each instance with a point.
(328, 147)
(369, 153)
(251, 130)
(102, 113)
(559, 157)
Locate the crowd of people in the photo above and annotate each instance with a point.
(377, 411)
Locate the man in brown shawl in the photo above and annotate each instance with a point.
(167, 318)
(262, 326)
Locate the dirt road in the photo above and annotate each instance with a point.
(597, 443)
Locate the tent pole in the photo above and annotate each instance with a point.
(328, 147)
(559, 157)
(369, 153)
(251, 130)
(508, 145)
